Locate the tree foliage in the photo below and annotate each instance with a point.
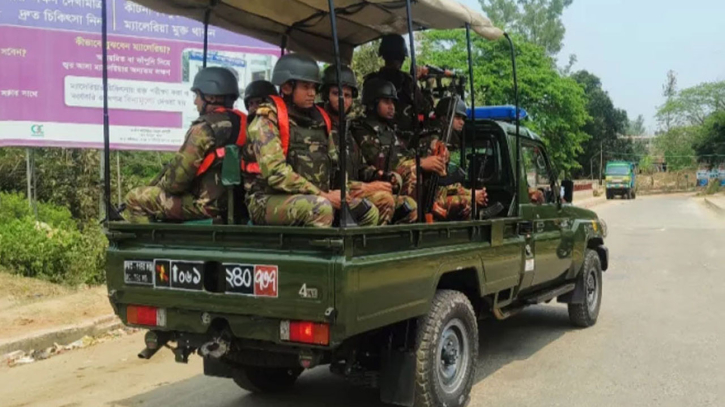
(606, 126)
(536, 21)
(692, 106)
(636, 127)
(710, 145)
(557, 105)
(676, 147)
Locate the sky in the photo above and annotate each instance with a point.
(630, 45)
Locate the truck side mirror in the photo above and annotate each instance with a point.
(568, 186)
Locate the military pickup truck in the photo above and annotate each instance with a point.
(394, 307)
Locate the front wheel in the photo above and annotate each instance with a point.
(446, 351)
(585, 314)
(265, 379)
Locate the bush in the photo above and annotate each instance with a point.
(53, 247)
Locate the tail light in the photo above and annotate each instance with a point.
(305, 332)
(145, 315)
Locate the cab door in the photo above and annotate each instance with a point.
(541, 208)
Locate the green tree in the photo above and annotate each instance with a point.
(537, 21)
(676, 146)
(710, 146)
(606, 126)
(557, 105)
(665, 117)
(365, 59)
(692, 106)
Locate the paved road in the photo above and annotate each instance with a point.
(659, 340)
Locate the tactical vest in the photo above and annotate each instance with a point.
(237, 134)
(386, 134)
(306, 149)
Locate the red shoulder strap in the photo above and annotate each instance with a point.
(326, 118)
(282, 122)
(242, 136)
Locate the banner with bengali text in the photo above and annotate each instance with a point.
(51, 91)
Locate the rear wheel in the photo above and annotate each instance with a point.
(265, 379)
(446, 351)
(586, 313)
(634, 195)
(609, 194)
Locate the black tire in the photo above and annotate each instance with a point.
(265, 379)
(634, 195)
(446, 351)
(609, 195)
(585, 314)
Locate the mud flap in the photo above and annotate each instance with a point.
(217, 368)
(397, 378)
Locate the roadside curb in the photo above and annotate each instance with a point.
(715, 207)
(64, 334)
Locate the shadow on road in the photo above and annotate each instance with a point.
(502, 342)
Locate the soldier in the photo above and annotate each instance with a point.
(379, 144)
(394, 51)
(291, 140)
(189, 187)
(452, 201)
(363, 180)
(255, 93)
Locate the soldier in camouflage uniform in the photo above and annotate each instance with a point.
(364, 180)
(292, 186)
(180, 193)
(454, 199)
(381, 147)
(393, 50)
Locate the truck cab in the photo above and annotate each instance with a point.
(620, 179)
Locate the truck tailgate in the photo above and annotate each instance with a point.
(260, 276)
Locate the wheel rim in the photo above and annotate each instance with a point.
(592, 290)
(453, 356)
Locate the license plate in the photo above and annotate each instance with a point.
(254, 280)
(179, 275)
(138, 272)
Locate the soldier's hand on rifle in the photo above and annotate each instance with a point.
(333, 197)
(421, 71)
(481, 197)
(434, 164)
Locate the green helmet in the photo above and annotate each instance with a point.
(295, 67)
(258, 89)
(375, 89)
(393, 47)
(329, 79)
(444, 106)
(216, 81)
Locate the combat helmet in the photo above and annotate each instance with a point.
(295, 67)
(444, 106)
(393, 47)
(258, 89)
(329, 80)
(216, 81)
(375, 89)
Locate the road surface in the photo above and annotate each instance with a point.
(658, 342)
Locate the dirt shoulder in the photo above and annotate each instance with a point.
(29, 305)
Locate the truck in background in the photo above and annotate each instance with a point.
(620, 179)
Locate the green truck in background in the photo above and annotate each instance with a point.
(620, 179)
(392, 307)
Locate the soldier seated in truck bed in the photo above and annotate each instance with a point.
(287, 174)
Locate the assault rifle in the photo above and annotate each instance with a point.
(430, 208)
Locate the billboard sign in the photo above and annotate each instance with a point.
(51, 90)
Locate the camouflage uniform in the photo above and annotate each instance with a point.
(374, 138)
(359, 173)
(179, 194)
(288, 188)
(454, 198)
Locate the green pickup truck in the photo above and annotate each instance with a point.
(393, 307)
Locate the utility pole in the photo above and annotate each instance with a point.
(601, 160)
